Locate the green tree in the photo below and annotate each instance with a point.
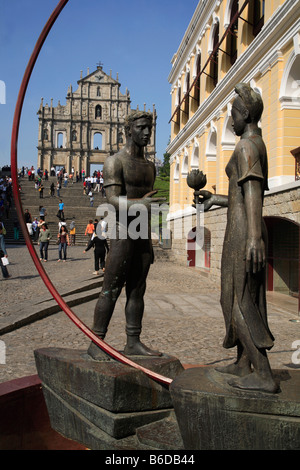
(165, 169)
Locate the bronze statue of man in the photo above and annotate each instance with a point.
(128, 179)
(243, 276)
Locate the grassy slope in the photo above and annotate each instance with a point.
(162, 185)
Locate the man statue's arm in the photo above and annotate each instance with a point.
(115, 191)
(121, 202)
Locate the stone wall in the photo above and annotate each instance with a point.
(284, 202)
(281, 202)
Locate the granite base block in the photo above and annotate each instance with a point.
(85, 397)
(117, 425)
(211, 415)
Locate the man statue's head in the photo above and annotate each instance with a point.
(138, 126)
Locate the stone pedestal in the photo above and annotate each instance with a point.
(214, 416)
(101, 404)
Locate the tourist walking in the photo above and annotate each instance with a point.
(58, 187)
(61, 214)
(41, 190)
(97, 187)
(16, 229)
(35, 229)
(91, 199)
(3, 255)
(101, 248)
(44, 238)
(27, 217)
(52, 189)
(43, 212)
(64, 241)
(90, 229)
(72, 233)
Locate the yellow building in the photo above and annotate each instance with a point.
(228, 42)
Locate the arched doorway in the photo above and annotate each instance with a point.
(198, 249)
(283, 256)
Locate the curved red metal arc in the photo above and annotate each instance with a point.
(14, 143)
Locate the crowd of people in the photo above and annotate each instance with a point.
(40, 232)
(6, 197)
(37, 226)
(95, 231)
(93, 183)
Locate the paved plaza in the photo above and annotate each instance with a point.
(182, 317)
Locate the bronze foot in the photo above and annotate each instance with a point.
(255, 382)
(139, 349)
(235, 369)
(97, 354)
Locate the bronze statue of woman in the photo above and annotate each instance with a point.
(243, 289)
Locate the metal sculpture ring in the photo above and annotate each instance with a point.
(14, 143)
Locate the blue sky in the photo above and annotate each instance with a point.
(136, 38)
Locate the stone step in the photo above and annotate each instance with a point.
(80, 213)
(86, 289)
(77, 208)
(67, 200)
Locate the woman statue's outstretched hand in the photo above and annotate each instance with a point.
(206, 198)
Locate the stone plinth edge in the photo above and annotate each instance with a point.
(214, 416)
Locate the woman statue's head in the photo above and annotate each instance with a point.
(247, 108)
(250, 100)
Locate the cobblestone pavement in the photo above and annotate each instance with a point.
(182, 317)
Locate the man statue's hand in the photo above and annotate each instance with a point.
(146, 201)
(150, 194)
(149, 199)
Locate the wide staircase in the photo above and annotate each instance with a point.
(77, 207)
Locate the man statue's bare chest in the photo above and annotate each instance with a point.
(138, 175)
